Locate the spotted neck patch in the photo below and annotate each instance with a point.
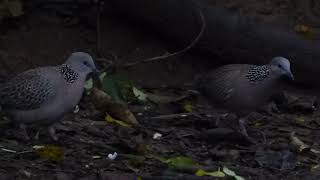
(257, 73)
(68, 74)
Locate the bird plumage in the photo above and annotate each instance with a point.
(44, 94)
(26, 91)
(242, 87)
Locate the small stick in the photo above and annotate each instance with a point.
(172, 116)
(167, 55)
(16, 152)
(8, 150)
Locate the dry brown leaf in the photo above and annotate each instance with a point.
(52, 152)
(306, 31)
(104, 103)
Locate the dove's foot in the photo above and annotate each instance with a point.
(36, 137)
(243, 131)
(270, 108)
(24, 131)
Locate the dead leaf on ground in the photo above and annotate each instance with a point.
(301, 145)
(104, 103)
(51, 152)
(305, 30)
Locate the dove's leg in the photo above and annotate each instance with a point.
(219, 117)
(52, 132)
(24, 131)
(243, 129)
(270, 108)
(36, 137)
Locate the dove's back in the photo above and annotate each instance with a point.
(41, 95)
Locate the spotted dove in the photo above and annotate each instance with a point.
(244, 87)
(43, 95)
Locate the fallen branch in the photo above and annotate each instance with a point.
(168, 55)
(177, 176)
(173, 116)
(4, 149)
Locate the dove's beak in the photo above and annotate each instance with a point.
(290, 76)
(96, 72)
(96, 78)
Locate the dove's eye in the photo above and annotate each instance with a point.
(85, 63)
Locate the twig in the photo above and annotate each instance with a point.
(15, 152)
(173, 116)
(178, 176)
(8, 150)
(167, 55)
(55, 170)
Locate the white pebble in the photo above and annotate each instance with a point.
(113, 156)
(183, 115)
(157, 136)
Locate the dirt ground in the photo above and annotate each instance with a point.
(46, 35)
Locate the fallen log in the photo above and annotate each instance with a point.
(228, 37)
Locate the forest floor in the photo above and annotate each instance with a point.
(194, 137)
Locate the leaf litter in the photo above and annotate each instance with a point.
(189, 129)
(194, 144)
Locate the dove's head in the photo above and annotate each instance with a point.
(281, 67)
(82, 63)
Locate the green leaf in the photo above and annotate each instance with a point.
(176, 162)
(231, 173)
(139, 94)
(112, 88)
(119, 87)
(102, 76)
(201, 172)
(181, 163)
(161, 159)
(218, 173)
(188, 107)
(89, 83)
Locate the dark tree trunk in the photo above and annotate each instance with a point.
(228, 37)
